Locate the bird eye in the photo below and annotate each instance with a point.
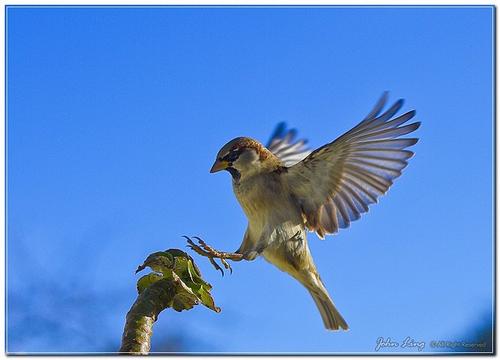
(232, 155)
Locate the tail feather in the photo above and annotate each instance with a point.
(329, 313)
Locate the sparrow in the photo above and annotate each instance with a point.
(286, 190)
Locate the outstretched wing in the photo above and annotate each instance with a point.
(335, 183)
(282, 145)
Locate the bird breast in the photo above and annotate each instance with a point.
(264, 199)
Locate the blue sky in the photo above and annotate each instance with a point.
(115, 115)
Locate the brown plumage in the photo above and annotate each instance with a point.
(241, 144)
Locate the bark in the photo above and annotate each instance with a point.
(136, 339)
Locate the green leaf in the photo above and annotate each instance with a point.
(177, 265)
(201, 288)
(146, 281)
(184, 298)
(181, 267)
(178, 253)
(160, 262)
(196, 275)
(207, 299)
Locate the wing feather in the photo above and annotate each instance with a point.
(327, 220)
(283, 145)
(336, 183)
(358, 201)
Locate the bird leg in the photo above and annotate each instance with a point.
(205, 250)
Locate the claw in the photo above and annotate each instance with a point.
(203, 244)
(226, 265)
(216, 266)
(205, 250)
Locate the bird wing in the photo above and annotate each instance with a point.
(337, 182)
(283, 145)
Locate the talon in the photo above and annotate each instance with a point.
(226, 265)
(204, 244)
(216, 266)
(224, 262)
(205, 250)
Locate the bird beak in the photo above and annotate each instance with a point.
(219, 165)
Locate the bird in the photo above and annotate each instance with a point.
(287, 190)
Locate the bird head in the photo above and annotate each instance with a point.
(243, 157)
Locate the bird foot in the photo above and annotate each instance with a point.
(205, 250)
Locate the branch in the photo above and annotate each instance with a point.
(143, 314)
(175, 282)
